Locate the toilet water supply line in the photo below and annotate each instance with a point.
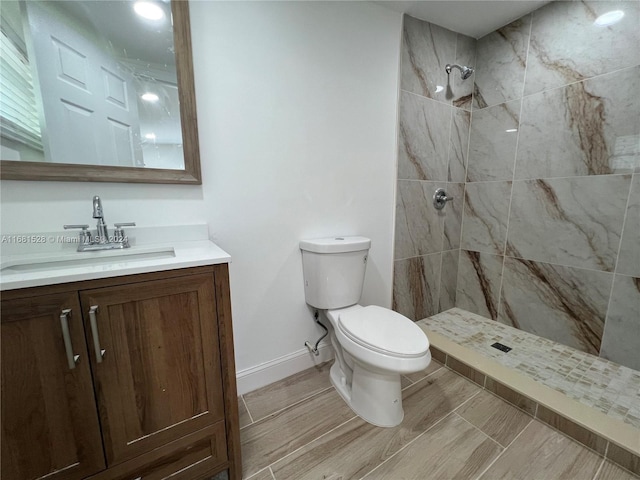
(314, 349)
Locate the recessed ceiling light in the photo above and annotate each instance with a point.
(149, 10)
(609, 18)
(149, 97)
(511, 130)
(150, 136)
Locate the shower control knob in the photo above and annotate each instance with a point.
(440, 199)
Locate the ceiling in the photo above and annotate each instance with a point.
(474, 18)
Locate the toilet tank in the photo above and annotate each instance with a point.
(333, 270)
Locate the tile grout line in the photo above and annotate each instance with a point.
(292, 404)
(526, 63)
(599, 469)
(433, 99)
(624, 468)
(478, 429)
(506, 255)
(512, 403)
(452, 412)
(569, 437)
(423, 378)
(464, 201)
(256, 474)
(484, 388)
(559, 177)
(425, 255)
(417, 381)
(273, 476)
(449, 142)
(311, 441)
(531, 179)
(411, 442)
(513, 177)
(465, 180)
(248, 411)
(423, 433)
(452, 370)
(468, 399)
(439, 289)
(356, 417)
(503, 451)
(565, 85)
(615, 267)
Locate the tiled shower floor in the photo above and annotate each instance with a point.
(603, 385)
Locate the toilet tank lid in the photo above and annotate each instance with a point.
(336, 244)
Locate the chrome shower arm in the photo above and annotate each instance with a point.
(465, 72)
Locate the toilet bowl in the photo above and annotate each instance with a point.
(373, 345)
(376, 346)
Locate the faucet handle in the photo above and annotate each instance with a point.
(118, 233)
(85, 235)
(83, 227)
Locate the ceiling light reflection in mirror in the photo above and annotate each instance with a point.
(149, 97)
(609, 18)
(83, 80)
(149, 10)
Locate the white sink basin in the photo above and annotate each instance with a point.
(85, 259)
(153, 249)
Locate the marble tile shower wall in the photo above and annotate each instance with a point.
(551, 223)
(434, 121)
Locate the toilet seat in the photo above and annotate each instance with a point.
(383, 331)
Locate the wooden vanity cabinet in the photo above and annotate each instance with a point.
(49, 416)
(152, 395)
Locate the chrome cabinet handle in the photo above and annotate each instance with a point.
(66, 336)
(94, 333)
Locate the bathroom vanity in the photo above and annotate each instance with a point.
(119, 366)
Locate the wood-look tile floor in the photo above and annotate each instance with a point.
(299, 428)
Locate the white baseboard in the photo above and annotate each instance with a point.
(266, 373)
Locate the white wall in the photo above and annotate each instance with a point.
(297, 118)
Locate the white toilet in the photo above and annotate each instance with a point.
(373, 345)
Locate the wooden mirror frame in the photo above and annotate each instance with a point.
(24, 170)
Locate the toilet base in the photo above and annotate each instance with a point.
(374, 395)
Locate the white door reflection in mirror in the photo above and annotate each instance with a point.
(85, 93)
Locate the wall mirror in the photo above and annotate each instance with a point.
(97, 91)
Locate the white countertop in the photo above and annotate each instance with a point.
(33, 260)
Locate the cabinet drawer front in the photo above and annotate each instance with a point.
(49, 418)
(159, 378)
(195, 456)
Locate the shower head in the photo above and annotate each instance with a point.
(465, 72)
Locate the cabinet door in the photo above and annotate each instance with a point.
(159, 378)
(49, 418)
(193, 457)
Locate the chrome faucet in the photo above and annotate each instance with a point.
(102, 233)
(101, 240)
